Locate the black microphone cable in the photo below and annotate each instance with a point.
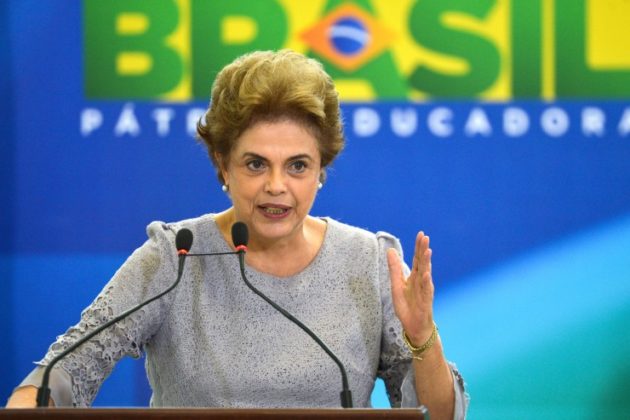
(240, 238)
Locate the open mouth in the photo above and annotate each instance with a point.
(274, 210)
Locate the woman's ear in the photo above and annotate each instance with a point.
(322, 176)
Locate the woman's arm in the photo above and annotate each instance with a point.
(148, 271)
(24, 397)
(413, 303)
(434, 382)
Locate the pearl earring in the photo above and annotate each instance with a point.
(224, 188)
(319, 186)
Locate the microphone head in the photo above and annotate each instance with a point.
(240, 235)
(183, 240)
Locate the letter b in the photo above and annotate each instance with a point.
(125, 49)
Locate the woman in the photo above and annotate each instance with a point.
(272, 129)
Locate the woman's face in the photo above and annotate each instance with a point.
(273, 176)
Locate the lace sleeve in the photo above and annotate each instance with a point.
(395, 360)
(148, 271)
(395, 363)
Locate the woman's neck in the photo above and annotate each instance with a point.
(283, 257)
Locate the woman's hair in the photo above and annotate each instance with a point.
(272, 86)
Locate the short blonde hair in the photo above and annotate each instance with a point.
(269, 86)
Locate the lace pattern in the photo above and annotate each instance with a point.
(94, 362)
(395, 364)
(90, 364)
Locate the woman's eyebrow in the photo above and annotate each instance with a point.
(301, 156)
(290, 158)
(253, 155)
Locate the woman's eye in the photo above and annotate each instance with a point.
(255, 165)
(298, 166)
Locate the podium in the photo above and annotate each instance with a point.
(214, 414)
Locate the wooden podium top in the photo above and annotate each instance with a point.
(215, 413)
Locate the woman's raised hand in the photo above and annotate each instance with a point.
(413, 295)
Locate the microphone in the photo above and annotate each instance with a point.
(240, 237)
(183, 243)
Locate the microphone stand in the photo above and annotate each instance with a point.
(346, 394)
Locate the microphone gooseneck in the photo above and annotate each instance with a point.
(240, 237)
(183, 242)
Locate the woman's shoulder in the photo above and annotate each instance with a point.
(358, 236)
(190, 223)
(202, 227)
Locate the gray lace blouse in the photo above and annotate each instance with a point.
(211, 342)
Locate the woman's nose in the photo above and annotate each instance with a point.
(276, 182)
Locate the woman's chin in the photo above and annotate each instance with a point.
(274, 229)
